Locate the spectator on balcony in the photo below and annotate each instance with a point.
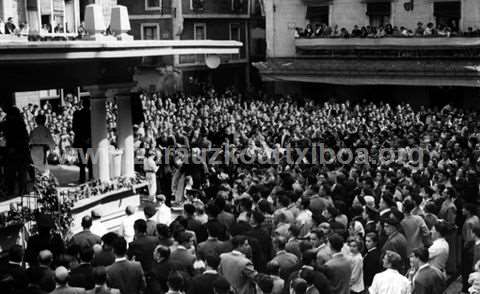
(388, 30)
(344, 33)
(430, 30)
(380, 32)
(327, 30)
(356, 32)
(419, 31)
(309, 31)
(10, 26)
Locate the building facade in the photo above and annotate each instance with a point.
(192, 20)
(403, 67)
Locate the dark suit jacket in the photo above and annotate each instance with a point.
(210, 247)
(127, 276)
(339, 272)
(18, 274)
(203, 284)
(81, 127)
(226, 218)
(199, 229)
(37, 243)
(47, 281)
(371, 266)
(82, 276)
(85, 239)
(104, 258)
(183, 258)
(264, 239)
(142, 249)
(428, 281)
(398, 243)
(320, 282)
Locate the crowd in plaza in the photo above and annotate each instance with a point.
(270, 219)
(384, 31)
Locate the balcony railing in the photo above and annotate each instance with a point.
(389, 47)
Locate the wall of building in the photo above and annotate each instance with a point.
(215, 7)
(347, 13)
(281, 19)
(165, 26)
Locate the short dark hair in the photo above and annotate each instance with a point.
(163, 230)
(336, 242)
(442, 228)
(109, 238)
(273, 267)
(140, 225)
(221, 285)
(86, 222)
(258, 217)
(183, 237)
(213, 229)
(212, 261)
(175, 281)
(163, 251)
(189, 208)
(408, 205)
(373, 236)
(299, 285)
(120, 246)
(280, 242)
(265, 283)
(421, 253)
(86, 254)
(238, 241)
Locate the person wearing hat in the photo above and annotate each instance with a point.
(396, 241)
(149, 210)
(98, 228)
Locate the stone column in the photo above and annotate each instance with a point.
(125, 134)
(100, 144)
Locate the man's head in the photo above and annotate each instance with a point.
(336, 242)
(392, 260)
(317, 238)
(86, 222)
(130, 210)
(61, 275)
(419, 257)
(185, 239)
(45, 257)
(440, 230)
(161, 253)
(140, 226)
(257, 219)
(390, 226)
(40, 119)
(371, 240)
(175, 281)
(189, 210)
(240, 243)
(108, 240)
(212, 261)
(149, 211)
(120, 247)
(273, 268)
(279, 243)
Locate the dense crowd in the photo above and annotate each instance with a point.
(404, 224)
(384, 31)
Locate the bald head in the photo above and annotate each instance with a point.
(61, 275)
(45, 257)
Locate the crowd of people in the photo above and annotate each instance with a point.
(404, 224)
(321, 30)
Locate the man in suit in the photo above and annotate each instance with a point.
(125, 275)
(371, 261)
(193, 224)
(61, 276)
(203, 284)
(237, 268)
(81, 126)
(224, 217)
(82, 275)
(338, 268)
(211, 246)
(181, 255)
(262, 236)
(427, 279)
(106, 256)
(150, 212)
(100, 276)
(396, 241)
(14, 269)
(318, 278)
(142, 247)
(85, 238)
(46, 279)
(286, 260)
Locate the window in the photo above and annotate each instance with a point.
(318, 14)
(150, 31)
(379, 13)
(197, 5)
(200, 31)
(447, 13)
(239, 5)
(153, 4)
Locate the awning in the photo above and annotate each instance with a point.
(315, 3)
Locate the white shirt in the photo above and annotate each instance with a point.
(389, 282)
(163, 215)
(126, 228)
(98, 228)
(438, 253)
(356, 280)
